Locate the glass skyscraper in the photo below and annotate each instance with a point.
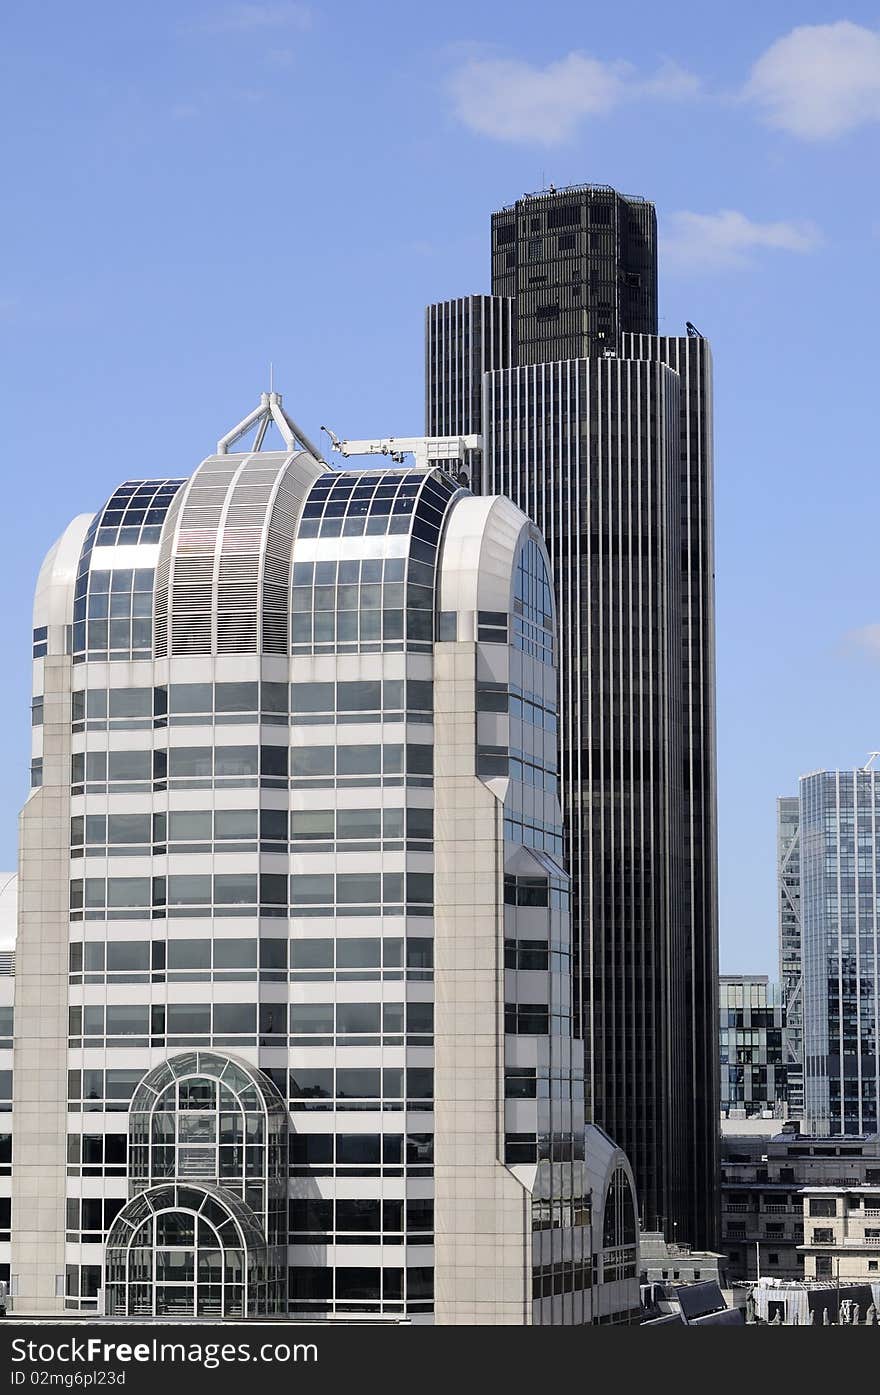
(601, 431)
(293, 1025)
(753, 1072)
(840, 904)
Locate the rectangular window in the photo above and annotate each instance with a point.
(311, 1018)
(236, 824)
(357, 1018)
(236, 760)
(311, 954)
(311, 889)
(189, 954)
(190, 890)
(311, 697)
(359, 760)
(190, 697)
(235, 889)
(129, 828)
(312, 824)
(127, 1021)
(126, 766)
(127, 955)
(358, 888)
(240, 1018)
(359, 823)
(311, 760)
(237, 697)
(359, 697)
(131, 702)
(190, 762)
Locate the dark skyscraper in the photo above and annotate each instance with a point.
(581, 267)
(601, 430)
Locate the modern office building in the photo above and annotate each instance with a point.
(601, 431)
(839, 868)
(293, 1008)
(790, 958)
(752, 1035)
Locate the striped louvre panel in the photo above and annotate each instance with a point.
(691, 358)
(589, 450)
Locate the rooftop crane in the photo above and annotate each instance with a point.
(426, 450)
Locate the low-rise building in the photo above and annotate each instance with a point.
(659, 1261)
(841, 1233)
(766, 1178)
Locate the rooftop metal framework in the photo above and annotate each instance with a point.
(270, 410)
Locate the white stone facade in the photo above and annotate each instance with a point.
(293, 996)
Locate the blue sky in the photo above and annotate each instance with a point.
(194, 189)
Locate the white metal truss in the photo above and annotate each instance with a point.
(270, 410)
(426, 450)
(793, 987)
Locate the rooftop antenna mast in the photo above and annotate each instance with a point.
(270, 410)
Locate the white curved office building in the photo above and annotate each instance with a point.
(293, 987)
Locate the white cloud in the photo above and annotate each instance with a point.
(246, 18)
(671, 80)
(865, 640)
(820, 80)
(512, 100)
(709, 241)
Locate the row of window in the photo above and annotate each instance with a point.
(535, 891)
(533, 833)
(368, 630)
(235, 763)
(319, 1216)
(146, 706)
(89, 1218)
(314, 1154)
(303, 893)
(112, 612)
(236, 1019)
(554, 1279)
(316, 1288)
(128, 833)
(500, 761)
(524, 1083)
(535, 1147)
(536, 954)
(499, 697)
(308, 959)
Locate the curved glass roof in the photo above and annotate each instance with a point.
(205, 1198)
(135, 512)
(239, 1076)
(354, 503)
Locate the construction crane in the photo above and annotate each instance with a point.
(426, 450)
(872, 756)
